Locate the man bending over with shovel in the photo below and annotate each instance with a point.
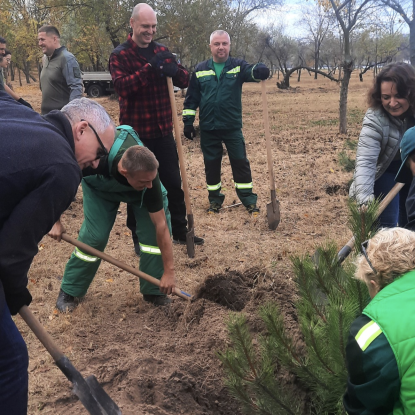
(40, 171)
(130, 176)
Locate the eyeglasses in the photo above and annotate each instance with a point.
(101, 152)
(363, 249)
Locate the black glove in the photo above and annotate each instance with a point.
(169, 69)
(261, 72)
(16, 301)
(189, 132)
(159, 59)
(22, 101)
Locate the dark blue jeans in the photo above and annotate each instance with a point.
(14, 361)
(395, 212)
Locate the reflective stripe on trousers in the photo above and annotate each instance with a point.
(148, 249)
(85, 257)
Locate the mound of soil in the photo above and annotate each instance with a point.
(232, 290)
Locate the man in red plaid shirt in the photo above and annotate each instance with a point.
(139, 68)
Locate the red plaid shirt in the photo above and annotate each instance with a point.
(143, 94)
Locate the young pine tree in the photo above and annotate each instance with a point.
(329, 300)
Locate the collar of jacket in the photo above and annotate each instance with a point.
(56, 52)
(62, 124)
(227, 63)
(157, 47)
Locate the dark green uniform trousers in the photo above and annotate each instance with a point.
(211, 144)
(101, 198)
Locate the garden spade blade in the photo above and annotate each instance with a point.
(94, 398)
(190, 236)
(273, 212)
(273, 208)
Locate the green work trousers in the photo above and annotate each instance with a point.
(211, 144)
(101, 199)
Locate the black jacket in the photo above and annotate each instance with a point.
(39, 177)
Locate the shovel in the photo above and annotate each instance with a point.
(89, 391)
(345, 251)
(273, 208)
(190, 236)
(92, 251)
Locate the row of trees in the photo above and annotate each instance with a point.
(337, 36)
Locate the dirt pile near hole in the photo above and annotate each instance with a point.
(232, 290)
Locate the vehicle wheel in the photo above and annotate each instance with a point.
(95, 91)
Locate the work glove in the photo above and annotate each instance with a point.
(161, 58)
(169, 69)
(22, 101)
(189, 132)
(261, 72)
(16, 301)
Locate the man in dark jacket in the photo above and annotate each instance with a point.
(139, 68)
(40, 170)
(216, 88)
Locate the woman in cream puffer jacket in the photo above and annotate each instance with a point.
(392, 105)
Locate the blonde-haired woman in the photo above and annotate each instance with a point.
(380, 352)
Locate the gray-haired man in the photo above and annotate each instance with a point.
(39, 178)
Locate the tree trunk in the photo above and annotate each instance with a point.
(20, 77)
(299, 75)
(26, 70)
(412, 41)
(316, 59)
(344, 89)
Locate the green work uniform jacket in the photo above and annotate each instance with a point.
(219, 100)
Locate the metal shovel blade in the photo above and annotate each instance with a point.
(108, 405)
(190, 237)
(273, 212)
(93, 397)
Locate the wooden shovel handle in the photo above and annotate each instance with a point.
(92, 251)
(177, 135)
(267, 136)
(40, 332)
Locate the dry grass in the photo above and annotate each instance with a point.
(116, 336)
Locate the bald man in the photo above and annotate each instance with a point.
(139, 68)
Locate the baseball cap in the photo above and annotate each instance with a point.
(407, 147)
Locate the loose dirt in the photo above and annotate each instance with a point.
(163, 361)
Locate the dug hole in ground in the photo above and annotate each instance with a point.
(163, 361)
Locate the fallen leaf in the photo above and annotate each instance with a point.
(109, 280)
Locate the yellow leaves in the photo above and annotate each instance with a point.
(109, 280)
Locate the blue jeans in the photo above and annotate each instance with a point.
(14, 361)
(395, 212)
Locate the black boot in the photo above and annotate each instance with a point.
(65, 303)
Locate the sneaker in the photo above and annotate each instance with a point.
(65, 303)
(181, 240)
(157, 300)
(214, 208)
(137, 249)
(253, 210)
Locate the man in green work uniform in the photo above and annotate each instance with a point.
(133, 179)
(216, 88)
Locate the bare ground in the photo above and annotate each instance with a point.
(163, 361)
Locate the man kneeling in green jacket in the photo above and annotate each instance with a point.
(131, 178)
